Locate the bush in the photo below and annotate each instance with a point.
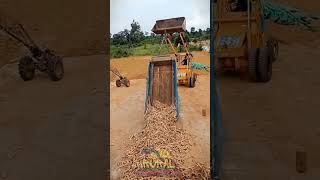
(195, 47)
(118, 52)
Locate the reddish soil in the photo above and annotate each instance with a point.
(265, 124)
(71, 28)
(54, 130)
(127, 109)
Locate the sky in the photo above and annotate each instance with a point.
(146, 12)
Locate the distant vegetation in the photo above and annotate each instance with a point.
(134, 42)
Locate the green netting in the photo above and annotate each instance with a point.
(284, 15)
(199, 66)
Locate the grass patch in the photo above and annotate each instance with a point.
(146, 50)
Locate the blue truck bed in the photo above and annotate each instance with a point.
(162, 82)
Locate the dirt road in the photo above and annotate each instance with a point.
(54, 130)
(127, 110)
(265, 124)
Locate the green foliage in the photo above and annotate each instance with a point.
(132, 37)
(135, 42)
(200, 32)
(121, 38)
(136, 36)
(200, 47)
(147, 50)
(177, 40)
(120, 51)
(193, 30)
(194, 47)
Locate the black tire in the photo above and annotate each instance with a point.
(189, 82)
(26, 68)
(118, 82)
(126, 82)
(55, 69)
(192, 81)
(264, 65)
(275, 50)
(252, 63)
(195, 77)
(273, 47)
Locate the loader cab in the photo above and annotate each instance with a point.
(231, 19)
(227, 8)
(240, 38)
(238, 5)
(184, 62)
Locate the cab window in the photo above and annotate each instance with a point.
(238, 5)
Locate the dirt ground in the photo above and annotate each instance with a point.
(51, 24)
(137, 67)
(127, 109)
(265, 124)
(54, 130)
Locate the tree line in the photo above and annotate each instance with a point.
(126, 42)
(136, 37)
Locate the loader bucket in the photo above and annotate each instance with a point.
(162, 82)
(170, 26)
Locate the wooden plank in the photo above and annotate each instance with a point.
(162, 84)
(167, 84)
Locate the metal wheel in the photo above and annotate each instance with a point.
(126, 82)
(26, 68)
(273, 47)
(118, 82)
(55, 68)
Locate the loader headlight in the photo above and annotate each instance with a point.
(182, 75)
(228, 41)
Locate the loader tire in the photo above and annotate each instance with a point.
(195, 78)
(252, 63)
(55, 69)
(26, 68)
(118, 82)
(275, 50)
(264, 65)
(192, 81)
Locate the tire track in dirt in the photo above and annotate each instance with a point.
(265, 124)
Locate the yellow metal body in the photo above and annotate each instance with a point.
(184, 62)
(185, 70)
(244, 29)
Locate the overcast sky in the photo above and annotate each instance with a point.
(146, 12)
